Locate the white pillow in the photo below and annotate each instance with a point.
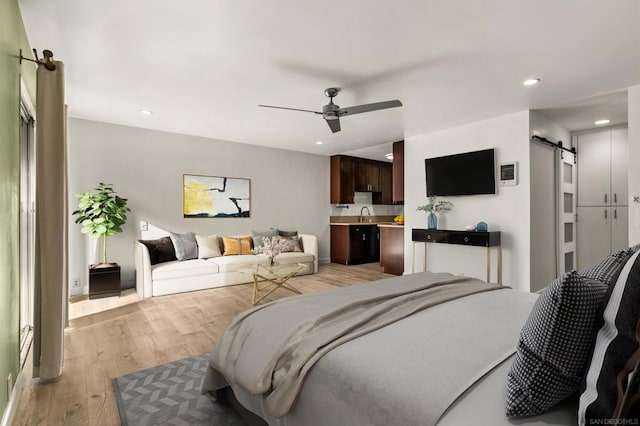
(208, 246)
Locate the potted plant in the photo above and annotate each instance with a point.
(432, 207)
(101, 215)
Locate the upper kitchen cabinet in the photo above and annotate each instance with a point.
(342, 179)
(398, 172)
(385, 195)
(367, 175)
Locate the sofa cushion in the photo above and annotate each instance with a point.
(185, 245)
(258, 236)
(183, 269)
(236, 245)
(208, 246)
(294, 257)
(160, 250)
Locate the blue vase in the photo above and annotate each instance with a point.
(432, 221)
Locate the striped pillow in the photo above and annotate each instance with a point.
(616, 353)
(234, 246)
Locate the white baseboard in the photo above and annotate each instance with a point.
(12, 407)
(324, 261)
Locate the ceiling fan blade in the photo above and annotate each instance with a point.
(292, 109)
(334, 124)
(357, 109)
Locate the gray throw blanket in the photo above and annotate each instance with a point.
(269, 349)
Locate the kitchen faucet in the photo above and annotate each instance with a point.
(362, 215)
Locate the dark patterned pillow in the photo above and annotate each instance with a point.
(555, 345)
(292, 243)
(606, 270)
(258, 236)
(616, 353)
(160, 250)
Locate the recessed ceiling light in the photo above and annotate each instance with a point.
(389, 156)
(319, 142)
(531, 81)
(601, 122)
(146, 112)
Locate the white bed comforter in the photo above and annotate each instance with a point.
(435, 354)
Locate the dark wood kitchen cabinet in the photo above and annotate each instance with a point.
(385, 196)
(351, 174)
(398, 172)
(367, 175)
(355, 244)
(342, 180)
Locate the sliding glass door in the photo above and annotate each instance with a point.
(27, 229)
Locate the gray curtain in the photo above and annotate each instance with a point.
(50, 296)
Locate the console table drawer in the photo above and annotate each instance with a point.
(472, 238)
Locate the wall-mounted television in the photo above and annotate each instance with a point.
(469, 173)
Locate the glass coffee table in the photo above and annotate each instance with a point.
(275, 276)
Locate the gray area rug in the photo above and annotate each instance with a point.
(169, 394)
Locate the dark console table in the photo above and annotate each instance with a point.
(467, 238)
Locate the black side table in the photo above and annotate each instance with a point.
(104, 282)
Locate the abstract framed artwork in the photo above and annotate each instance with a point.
(215, 197)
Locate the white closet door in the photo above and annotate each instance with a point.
(619, 167)
(619, 228)
(594, 234)
(594, 171)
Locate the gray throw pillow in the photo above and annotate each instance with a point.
(555, 345)
(288, 233)
(258, 236)
(185, 245)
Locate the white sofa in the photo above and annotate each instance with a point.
(199, 274)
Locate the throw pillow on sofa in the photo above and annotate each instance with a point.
(288, 233)
(208, 246)
(185, 245)
(258, 236)
(234, 246)
(293, 243)
(160, 250)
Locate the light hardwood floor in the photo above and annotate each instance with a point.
(111, 337)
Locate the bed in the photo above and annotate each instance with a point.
(442, 362)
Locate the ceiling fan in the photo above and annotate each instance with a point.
(332, 112)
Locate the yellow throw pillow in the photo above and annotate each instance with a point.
(236, 245)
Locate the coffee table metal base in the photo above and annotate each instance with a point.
(279, 282)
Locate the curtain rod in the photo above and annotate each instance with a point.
(47, 61)
(554, 144)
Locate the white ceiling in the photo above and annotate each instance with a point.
(203, 66)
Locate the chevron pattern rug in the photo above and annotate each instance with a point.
(169, 394)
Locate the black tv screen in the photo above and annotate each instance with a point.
(461, 174)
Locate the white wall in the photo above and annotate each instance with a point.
(543, 159)
(508, 211)
(634, 170)
(362, 199)
(289, 190)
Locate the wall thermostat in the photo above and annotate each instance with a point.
(509, 173)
